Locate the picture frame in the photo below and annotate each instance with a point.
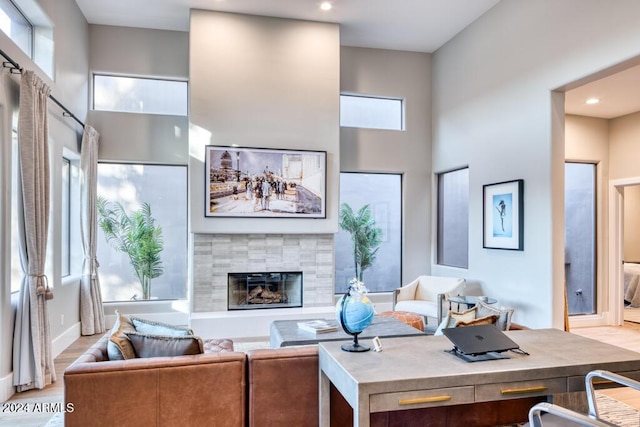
(249, 182)
(503, 215)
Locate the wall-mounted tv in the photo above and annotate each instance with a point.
(265, 183)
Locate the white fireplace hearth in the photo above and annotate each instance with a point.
(217, 255)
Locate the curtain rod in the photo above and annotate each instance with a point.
(10, 63)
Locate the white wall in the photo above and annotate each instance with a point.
(263, 82)
(494, 110)
(404, 75)
(140, 52)
(625, 152)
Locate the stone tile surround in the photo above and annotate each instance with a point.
(215, 255)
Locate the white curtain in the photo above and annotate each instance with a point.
(32, 358)
(91, 311)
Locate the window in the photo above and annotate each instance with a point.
(383, 193)
(30, 29)
(66, 219)
(14, 24)
(72, 252)
(580, 237)
(453, 218)
(16, 210)
(371, 112)
(140, 95)
(164, 189)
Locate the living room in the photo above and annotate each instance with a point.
(489, 99)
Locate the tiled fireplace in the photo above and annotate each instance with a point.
(216, 256)
(266, 290)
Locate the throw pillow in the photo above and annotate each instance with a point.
(487, 320)
(504, 314)
(160, 345)
(150, 327)
(118, 346)
(453, 317)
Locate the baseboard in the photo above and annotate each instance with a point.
(64, 340)
(6, 387)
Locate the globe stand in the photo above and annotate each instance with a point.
(353, 347)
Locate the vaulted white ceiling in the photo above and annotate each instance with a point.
(412, 25)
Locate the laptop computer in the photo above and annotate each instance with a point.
(481, 342)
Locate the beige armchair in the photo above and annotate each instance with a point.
(427, 295)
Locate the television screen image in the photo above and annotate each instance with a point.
(265, 183)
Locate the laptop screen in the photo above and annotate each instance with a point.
(480, 339)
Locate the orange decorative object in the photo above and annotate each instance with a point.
(411, 319)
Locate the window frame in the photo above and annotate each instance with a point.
(100, 235)
(65, 217)
(27, 23)
(138, 77)
(401, 111)
(440, 256)
(337, 274)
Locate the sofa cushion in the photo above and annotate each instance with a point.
(504, 314)
(150, 327)
(145, 345)
(424, 308)
(118, 346)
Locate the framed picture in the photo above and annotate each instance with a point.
(265, 183)
(503, 215)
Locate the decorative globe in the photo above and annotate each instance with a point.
(358, 313)
(354, 314)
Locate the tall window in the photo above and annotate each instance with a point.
(164, 189)
(371, 112)
(383, 193)
(16, 210)
(453, 218)
(580, 237)
(140, 95)
(70, 242)
(65, 216)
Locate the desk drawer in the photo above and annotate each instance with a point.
(421, 399)
(500, 391)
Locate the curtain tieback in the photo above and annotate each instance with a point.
(93, 266)
(42, 286)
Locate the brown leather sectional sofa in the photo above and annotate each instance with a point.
(262, 388)
(267, 387)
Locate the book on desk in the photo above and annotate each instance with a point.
(318, 326)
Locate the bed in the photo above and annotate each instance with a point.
(631, 283)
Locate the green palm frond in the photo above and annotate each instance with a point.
(136, 235)
(365, 235)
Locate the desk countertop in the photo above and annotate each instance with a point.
(423, 362)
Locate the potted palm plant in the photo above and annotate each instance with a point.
(365, 235)
(136, 235)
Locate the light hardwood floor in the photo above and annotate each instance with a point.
(627, 336)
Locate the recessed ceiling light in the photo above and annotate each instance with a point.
(592, 101)
(325, 5)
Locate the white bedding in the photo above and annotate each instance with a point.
(631, 283)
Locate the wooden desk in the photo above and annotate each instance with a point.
(417, 372)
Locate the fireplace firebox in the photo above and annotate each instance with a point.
(248, 291)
